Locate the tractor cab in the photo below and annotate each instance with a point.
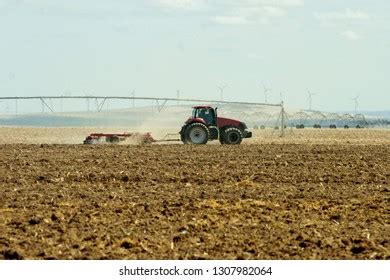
(206, 113)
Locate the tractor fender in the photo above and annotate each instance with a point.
(192, 120)
(222, 129)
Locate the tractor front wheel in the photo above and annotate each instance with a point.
(196, 133)
(232, 136)
(222, 137)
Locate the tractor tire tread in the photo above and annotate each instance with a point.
(227, 131)
(187, 139)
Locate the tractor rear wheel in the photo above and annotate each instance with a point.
(232, 136)
(196, 133)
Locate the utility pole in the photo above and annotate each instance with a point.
(221, 88)
(266, 90)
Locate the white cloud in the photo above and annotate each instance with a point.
(273, 11)
(230, 20)
(270, 6)
(347, 14)
(233, 12)
(179, 4)
(351, 35)
(344, 18)
(257, 11)
(262, 3)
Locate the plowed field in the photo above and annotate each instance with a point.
(253, 201)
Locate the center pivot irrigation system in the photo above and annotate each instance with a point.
(204, 124)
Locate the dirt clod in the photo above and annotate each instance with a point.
(358, 250)
(34, 221)
(12, 255)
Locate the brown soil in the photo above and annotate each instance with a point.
(269, 201)
(76, 135)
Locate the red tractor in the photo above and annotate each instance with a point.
(205, 125)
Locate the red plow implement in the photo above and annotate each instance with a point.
(114, 138)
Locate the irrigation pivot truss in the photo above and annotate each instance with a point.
(253, 113)
(161, 103)
(101, 100)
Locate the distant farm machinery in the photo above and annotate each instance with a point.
(318, 120)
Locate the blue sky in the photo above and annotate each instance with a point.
(336, 49)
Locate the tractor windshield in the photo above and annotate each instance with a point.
(204, 113)
(194, 113)
(200, 113)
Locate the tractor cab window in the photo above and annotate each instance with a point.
(195, 113)
(203, 113)
(206, 114)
